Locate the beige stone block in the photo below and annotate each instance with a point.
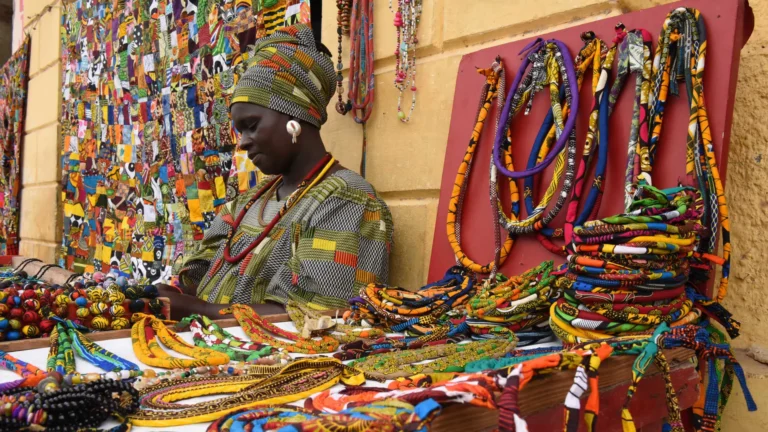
(43, 99)
(34, 50)
(48, 154)
(385, 36)
(39, 213)
(49, 38)
(48, 252)
(29, 160)
(414, 221)
(467, 23)
(32, 8)
(401, 156)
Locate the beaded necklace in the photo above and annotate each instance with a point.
(208, 334)
(258, 331)
(296, 381)
(361, 79)
(79, 408)
(144, 334)
(407, 18)
(549, 64)
(475, 389)
(313, 177)
(383, 416)
(449, 358)
(493, 88)
(342, 28)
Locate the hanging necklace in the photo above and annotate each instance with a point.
(309, 181)
(493, 88)
(342, 29)
(684, 34)
(407, 20)
(549, 64)
(361, 79)
(594, 54)
(565, 63)
(638, 160)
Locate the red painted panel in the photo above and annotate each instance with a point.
(648, 407)
(726, 23)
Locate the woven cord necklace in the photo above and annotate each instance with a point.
(490, 91)
(684, 33)
(592, 55)
(549, 64)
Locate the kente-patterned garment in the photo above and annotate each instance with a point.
(333, 242)
(13, 97)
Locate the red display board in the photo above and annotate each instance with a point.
(729, 24)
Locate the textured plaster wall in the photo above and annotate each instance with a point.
(405, 161)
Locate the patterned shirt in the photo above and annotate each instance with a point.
(332, 242)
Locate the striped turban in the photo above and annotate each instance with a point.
(288, 74)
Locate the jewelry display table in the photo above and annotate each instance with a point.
(541, 402)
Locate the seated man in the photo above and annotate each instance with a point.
(313, 231)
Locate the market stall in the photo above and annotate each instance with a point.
(595, 300)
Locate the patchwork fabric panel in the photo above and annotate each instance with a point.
(13, 96)
(149, 152)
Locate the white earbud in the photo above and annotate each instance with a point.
(294, 128)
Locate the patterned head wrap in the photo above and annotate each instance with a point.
(288, 74)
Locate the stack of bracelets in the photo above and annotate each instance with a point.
(628, 272)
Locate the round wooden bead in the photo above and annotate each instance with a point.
(120, 323)
(98, 308)
(97, 295)
(15, 324)
(116, 311)
(30, 317)
(46, 326)
(62, 300)
(13, 335)
(100, 323)
(31, 304)
(30, 331)
(116, 297)
(82, 313)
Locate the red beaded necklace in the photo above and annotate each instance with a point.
(324, 164)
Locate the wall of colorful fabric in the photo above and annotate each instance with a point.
(148, 152)
(13, 98)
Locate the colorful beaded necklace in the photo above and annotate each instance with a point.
(407, 18)
(66, 339)
(208, 334)
(296, 381)
(313, 177)
(258, 331)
